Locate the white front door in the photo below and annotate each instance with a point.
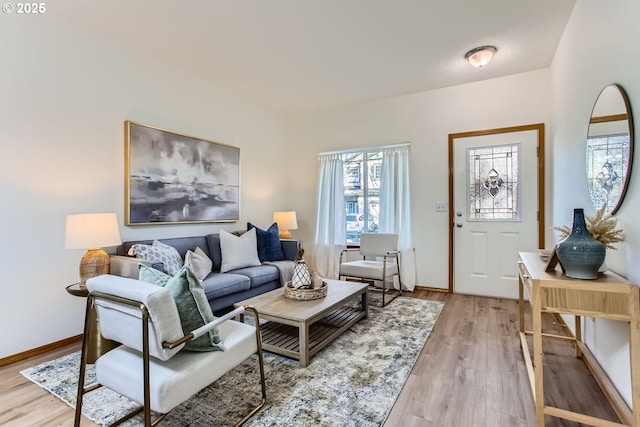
(495, 208)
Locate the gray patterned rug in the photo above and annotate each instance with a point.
(352, 382)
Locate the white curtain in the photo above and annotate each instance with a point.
(330, 222)
(395, 209)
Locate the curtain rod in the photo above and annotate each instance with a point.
(359, 150)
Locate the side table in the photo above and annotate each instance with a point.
(609, 297)
(98, 345)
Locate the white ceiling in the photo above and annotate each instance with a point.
(300, 55)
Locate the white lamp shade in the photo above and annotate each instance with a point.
(286, 220)
(94, 230)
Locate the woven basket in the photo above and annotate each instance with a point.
(305, 294)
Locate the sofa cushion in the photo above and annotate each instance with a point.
(198, 262)
(217, 285)
(193, 307)
(260, 275)
(238, 251)
(160, 252)
(269, 247)
(213, 241)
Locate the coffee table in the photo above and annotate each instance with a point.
(299, 329)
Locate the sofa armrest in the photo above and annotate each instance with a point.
(127, 266)
(290, 249)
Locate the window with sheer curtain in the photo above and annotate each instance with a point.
(363, 191)
(362, 173)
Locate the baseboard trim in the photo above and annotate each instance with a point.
(39, 350)
(430, 289)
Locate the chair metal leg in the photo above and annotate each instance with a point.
(384, 279)
(399, 276)
(263, 383)
(399, 282)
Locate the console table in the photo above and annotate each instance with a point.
(610, 297)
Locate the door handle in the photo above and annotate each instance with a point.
(459, 225)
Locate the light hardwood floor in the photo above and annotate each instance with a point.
(470, 373)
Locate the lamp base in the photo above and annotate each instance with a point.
(93, 263)
(285, 234)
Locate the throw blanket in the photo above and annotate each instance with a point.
(285, 268)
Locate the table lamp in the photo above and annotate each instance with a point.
(286, 221)
(92, 232)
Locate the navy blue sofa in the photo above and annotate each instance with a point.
(222, 289)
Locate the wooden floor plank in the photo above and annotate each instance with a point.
(471, 371)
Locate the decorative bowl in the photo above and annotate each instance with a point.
(305, 294)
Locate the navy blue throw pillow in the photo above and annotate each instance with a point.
(269, 248)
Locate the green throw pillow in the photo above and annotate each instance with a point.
(193, 308)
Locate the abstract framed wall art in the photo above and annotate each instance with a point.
(171, 178)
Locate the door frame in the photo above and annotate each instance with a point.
(539, 127)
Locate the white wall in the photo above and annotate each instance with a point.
(65, 96)
(597, 49)
(424, 119)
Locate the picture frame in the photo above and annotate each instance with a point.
(174, 178)
(552, 260)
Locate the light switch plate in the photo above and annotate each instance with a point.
(441, 207)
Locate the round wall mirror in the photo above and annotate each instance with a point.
(609, 148)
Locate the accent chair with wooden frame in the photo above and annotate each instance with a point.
(149, 367)
(374, 246)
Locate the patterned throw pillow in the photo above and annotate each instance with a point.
(193, 307)
(269, 246)
(160, 252)
(199, 263)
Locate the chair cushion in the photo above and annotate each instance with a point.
(269, 247)
(160, 252)
(367, 269)
(238, 251)
(177, 379)
(121, 323)
(192, 303)
(198, 262)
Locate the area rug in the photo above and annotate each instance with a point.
(352, 382)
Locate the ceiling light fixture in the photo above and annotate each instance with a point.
(480, 56)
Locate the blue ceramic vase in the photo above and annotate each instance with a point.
(580, 254)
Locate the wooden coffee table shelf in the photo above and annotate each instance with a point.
(285, 339)
(299, 329)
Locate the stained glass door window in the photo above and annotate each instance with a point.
(607, 167)
(493, 190)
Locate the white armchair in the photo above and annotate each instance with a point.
(149, 367)
(374, 246)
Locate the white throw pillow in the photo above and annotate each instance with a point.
(238, 251)
(199, 263)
